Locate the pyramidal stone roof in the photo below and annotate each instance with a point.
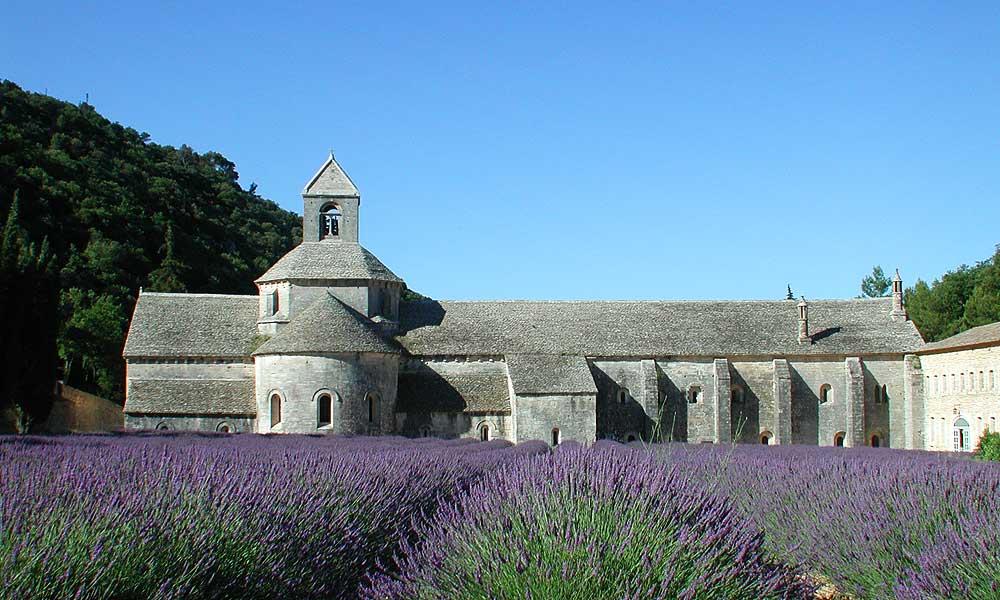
(195, 325)
(329, 259)
(984, 335)
(676, 328)
(328, 325)
(330, 180)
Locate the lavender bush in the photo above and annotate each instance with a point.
(878, 523)
(230, 517)
(601, 523)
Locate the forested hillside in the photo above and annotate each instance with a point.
(101, 211)
(961, 299)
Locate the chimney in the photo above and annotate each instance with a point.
(898, 311)
(803, 321)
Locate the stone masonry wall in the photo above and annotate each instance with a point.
(453, 425)
(349, 208)
(684, 420)
(752, 415)
(349, 378)
(190, 423)
(620, 415)
(574, 415)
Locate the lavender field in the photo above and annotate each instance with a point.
(243, 516)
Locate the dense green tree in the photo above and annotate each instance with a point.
(119, 213)
(961, 299)
(876, 285)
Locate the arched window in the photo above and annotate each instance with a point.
(825, 393)
(225, 428)
(555, 436)
(275, 409)
(162, 426)
(883, 394)
(622, 395)
(838, 439)
(484, 432)
(425, 431)
(875, 441)
(765, 438)
(993, 424)
(275, 302)
(694, 394)
(632, 437)
(329, 221)
(960, 435)
(372, 408)
(324, 409)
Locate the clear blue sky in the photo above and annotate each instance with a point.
(607, 151)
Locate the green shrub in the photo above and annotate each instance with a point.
(988, 447)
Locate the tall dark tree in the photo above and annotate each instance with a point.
(28, 301)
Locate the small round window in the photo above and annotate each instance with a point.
(225, 428)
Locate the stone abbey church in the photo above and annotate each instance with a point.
(329, 346)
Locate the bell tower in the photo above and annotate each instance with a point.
(330, 205)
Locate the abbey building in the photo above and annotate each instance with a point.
(329, 345)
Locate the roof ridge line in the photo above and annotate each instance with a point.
(199, 295)
(626, 301)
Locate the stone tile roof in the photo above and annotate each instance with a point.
(191, 396)
(330, 180)
(194, 325)
(550, 374)
(328, 325)
(329, 259)
(683, 328)
(454, 387)
(984, 335)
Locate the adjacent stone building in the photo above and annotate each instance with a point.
(961, 391)
(328, 345)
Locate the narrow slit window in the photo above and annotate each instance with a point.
(275, 409)
(325, 409)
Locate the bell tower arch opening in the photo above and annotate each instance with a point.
(329, 221)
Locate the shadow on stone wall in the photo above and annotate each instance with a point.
(745, 415)
(674, 420)
(616, 420)
(805, 411)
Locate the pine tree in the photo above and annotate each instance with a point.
(876, 285)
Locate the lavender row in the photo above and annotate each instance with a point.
(227, 517)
